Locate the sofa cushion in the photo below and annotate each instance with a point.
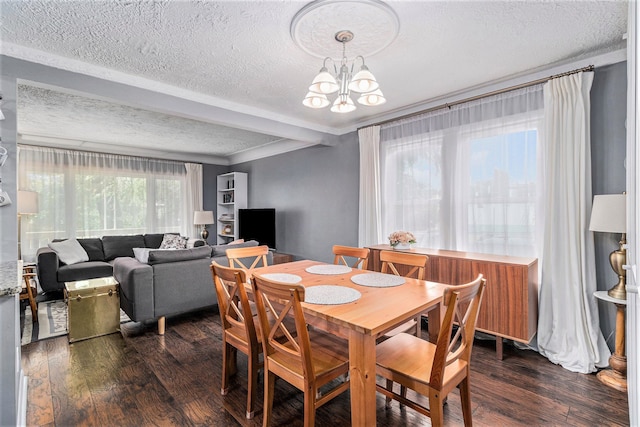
(69, 251)
(142, 254)
(84, 271)
(153, 240)
(93, 247)
(163, 256)
(221, 250)
(173, 241)
(116, 246)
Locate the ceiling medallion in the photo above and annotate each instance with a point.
(309, 30)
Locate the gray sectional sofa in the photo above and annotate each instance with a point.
(159, 284)
(170, 282)
(52, 272)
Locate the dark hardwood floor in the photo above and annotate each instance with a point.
(139, 378)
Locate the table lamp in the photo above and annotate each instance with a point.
(608, 215)
(203, 218)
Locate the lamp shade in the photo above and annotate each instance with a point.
(324, 83)
(363, 81)
(27, 202)
(609, 213)
(372, 98)
(343, 107)
(316, 100)
(202, 217)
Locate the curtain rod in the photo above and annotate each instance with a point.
(484, 95)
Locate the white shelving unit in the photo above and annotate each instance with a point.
(232, 195)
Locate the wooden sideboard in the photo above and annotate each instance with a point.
(280, 258)
(510, 303)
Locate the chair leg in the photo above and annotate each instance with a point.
(252, 392)
(465, 400)
(32, 298)
(226, 356)
(310, 407)
(435, 407)
(269, 389)
(34, 310)
(387, 400)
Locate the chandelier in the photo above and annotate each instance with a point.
(344, 82)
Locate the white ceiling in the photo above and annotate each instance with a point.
(230, 79)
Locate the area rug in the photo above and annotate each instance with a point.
(52, 321)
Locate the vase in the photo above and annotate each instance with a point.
(402, 247)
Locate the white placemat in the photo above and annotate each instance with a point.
(328, 269)
(330, 295)
(377, 280)
(283, 277)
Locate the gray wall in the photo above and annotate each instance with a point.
(8, 133)
(608, 151)
(314, 192)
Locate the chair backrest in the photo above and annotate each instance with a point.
(361, 256)
(392, 259)
(281, 301)
(248, 258)
(463, 306)
(233, 301)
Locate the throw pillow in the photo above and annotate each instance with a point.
(141, 254)
(173, 241)
(236, 242)
(69, 251)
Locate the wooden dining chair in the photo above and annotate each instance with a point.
(360, 255)
(238, 329)
(306, 359)
(248, 258)
(29, 290)
(433, 370)
(407, 265)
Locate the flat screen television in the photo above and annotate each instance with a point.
(258, 224)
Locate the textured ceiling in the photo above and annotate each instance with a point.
(240, 58)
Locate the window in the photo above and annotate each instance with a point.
(466, 178)
(92, 195)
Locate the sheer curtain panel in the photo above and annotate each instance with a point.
(465, 178)
(370, 231)
(568, 326)
(194, 197)
(83, 194)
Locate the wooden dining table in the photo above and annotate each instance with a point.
(378, 310)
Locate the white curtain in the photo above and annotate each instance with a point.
(369, 227)
(465, 178)
(83, 194)
(568, 327)
(194, 197)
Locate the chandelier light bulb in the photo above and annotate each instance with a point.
(363, 81)
(341, 105)
(315, 100)
(372, 99)
(324, 83)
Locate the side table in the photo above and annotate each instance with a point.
(93, 308)
(616, 377)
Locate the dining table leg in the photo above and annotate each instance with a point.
(362, 376)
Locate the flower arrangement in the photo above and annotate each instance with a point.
(398, 237)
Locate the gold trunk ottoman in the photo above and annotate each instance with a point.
(93, 308)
